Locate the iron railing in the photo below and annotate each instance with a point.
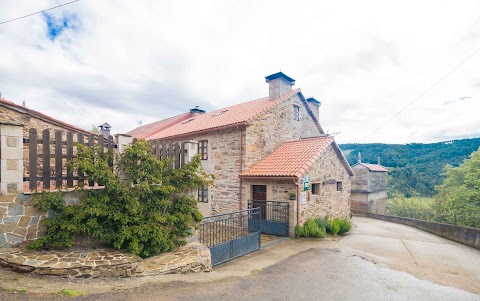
(217, 229)
(271, 210)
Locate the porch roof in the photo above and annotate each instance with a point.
(293, 159)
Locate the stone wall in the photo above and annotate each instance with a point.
(373, 202)
(359, 202)
(464, 235)
(224, 162)
(20, 221)
(378, 181)
(270, 130)
(360, 180)
(328, 201)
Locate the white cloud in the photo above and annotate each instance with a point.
(147, 60)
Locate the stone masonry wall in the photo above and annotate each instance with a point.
(328, 201)
(224, 162)
(378, 181)
(20, 221)
(360, 180)
(270, 130)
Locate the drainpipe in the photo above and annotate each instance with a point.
(298, 202)
(240, 167)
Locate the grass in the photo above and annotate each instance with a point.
(71, 293)
(14, 290)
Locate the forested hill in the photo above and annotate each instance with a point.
(414, 168)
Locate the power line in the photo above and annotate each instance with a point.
(39, 12)
(420, 96)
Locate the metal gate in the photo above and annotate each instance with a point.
(274, 216)
(231, 235)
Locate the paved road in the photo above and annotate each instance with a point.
(377, 261)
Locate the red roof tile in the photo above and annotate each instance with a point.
(155, 127)
(373, 167)
(221, 118)
(41, 116)
(292, 159)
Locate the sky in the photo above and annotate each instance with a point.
(129, 62)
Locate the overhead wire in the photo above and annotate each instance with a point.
(420, 96)
(39, 12)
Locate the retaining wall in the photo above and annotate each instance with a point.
(464, 235)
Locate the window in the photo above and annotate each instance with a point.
(203, 149)
(316, 188)
(296, 113)
(339, 186)
(203, 194)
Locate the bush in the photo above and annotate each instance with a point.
(345, 225)
(150, 212)
(322, 223)
(310, 229)
(335, 226)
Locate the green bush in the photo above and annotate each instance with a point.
(322, 223)
(335, 226)
(345, 225)
(147, 211)
(310, 229)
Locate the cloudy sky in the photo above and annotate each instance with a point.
(124, 61)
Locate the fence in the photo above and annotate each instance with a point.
(175, 151)
(46, 165)
(274, 217)
(48, 168)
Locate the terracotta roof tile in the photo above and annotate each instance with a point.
(155, 127)
(373, 167)
(292, 159)
(221, 118)
(41, 116)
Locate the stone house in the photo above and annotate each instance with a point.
(369, 188)
(236, 142)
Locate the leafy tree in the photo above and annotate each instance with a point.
(458, 199)
(415, 168)
(146, 206)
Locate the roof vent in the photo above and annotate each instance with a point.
(219, 113)
(197, 110)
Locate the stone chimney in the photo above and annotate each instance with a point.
(359, 158)
(278, 85)
(314, 106)
(196, 111)
(105, 129)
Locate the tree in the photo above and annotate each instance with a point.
(458, 199)
(146, 206)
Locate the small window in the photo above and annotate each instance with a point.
(203, 149)
(203, 194)
(339, 186)
(316, 188)
(296, 113)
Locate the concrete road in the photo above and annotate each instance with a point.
(377, 261)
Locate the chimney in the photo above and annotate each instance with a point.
(105, 129)
(196, 111)
(359, 157)
(378, 161)
(314, 106)
(278, 85)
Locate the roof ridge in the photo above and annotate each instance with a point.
(41, 115)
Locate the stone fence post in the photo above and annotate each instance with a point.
(122, 141)
(11, 157)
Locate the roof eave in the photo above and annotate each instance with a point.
(243, 123)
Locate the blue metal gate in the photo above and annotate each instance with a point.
(274, 218)
(231, 235)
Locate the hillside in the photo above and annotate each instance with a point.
(415, 168)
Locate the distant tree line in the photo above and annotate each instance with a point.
(415, 168)
(455, 186)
